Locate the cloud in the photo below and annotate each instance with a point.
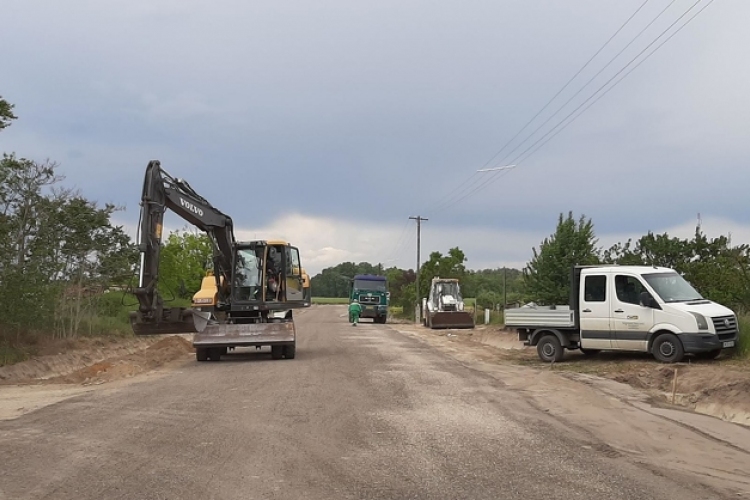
(364, 113)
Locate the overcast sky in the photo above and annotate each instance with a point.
(329, 123)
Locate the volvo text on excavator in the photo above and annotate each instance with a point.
(258, 283)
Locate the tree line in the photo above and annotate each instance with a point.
(714, 266)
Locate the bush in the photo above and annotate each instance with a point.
(743, 348)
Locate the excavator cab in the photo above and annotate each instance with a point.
(268, 276)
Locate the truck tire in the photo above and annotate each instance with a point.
(550, 349)
(277, 351)
(290, 351)
(201, 354)
(667, 348)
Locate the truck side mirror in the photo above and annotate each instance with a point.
(648, 301)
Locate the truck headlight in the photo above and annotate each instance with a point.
(702, 323)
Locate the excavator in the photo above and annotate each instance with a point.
(258, 283)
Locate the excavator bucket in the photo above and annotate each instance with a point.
(253, 334)
(452, 319)
(173, 320)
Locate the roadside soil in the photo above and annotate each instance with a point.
(96, 360)
(719, 388)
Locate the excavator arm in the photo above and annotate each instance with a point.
(161, 191)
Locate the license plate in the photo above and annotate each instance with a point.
(728, 344)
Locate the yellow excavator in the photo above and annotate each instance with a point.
(257, 284)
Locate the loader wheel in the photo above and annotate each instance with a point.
(201, 354)
(667, 348)
(290, 351)
(277, 351)
(550, 349)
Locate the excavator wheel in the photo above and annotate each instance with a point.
(201, 354)
(277, 351)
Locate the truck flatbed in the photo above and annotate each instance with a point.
(540, 317)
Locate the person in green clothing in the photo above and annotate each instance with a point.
(354, 311)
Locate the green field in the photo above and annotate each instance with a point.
(330, 300)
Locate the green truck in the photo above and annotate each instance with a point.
(371, 291)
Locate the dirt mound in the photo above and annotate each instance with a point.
(95, 360)
(163, 351)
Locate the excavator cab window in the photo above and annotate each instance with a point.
(274, 273)
(248, 270)
(294, 280)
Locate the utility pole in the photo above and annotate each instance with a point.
(505, 287)
(419, 220)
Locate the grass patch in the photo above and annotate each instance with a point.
(10, 354)
(330, 300)
(743, 347)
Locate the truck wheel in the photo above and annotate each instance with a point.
(201, 354)
(667, 348)
(277, 351)
(550, 349)
(290, 351)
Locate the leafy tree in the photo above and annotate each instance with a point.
(6, 113)
(334, 281)
(60, 251)
(185, 257)
(547, 275)
(443, 266)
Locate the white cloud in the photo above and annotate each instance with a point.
(325, 242)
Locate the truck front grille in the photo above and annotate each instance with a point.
(725, 326)
(369, 300)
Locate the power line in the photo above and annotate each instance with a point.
(523, 156)
(621, 70)
(618, 81)
(592, 78)
(627, 21)
(461, 192)
(399, 242)
(419, 220)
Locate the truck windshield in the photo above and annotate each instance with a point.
(370, 285)
(672, 287)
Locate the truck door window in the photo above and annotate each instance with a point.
(595, 289)
(628, 289)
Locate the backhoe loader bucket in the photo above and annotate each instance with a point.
(453, 319)
(173, 320)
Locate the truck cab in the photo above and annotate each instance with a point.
(371, 291)
(629, 308)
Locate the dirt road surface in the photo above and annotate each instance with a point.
(365, 413)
